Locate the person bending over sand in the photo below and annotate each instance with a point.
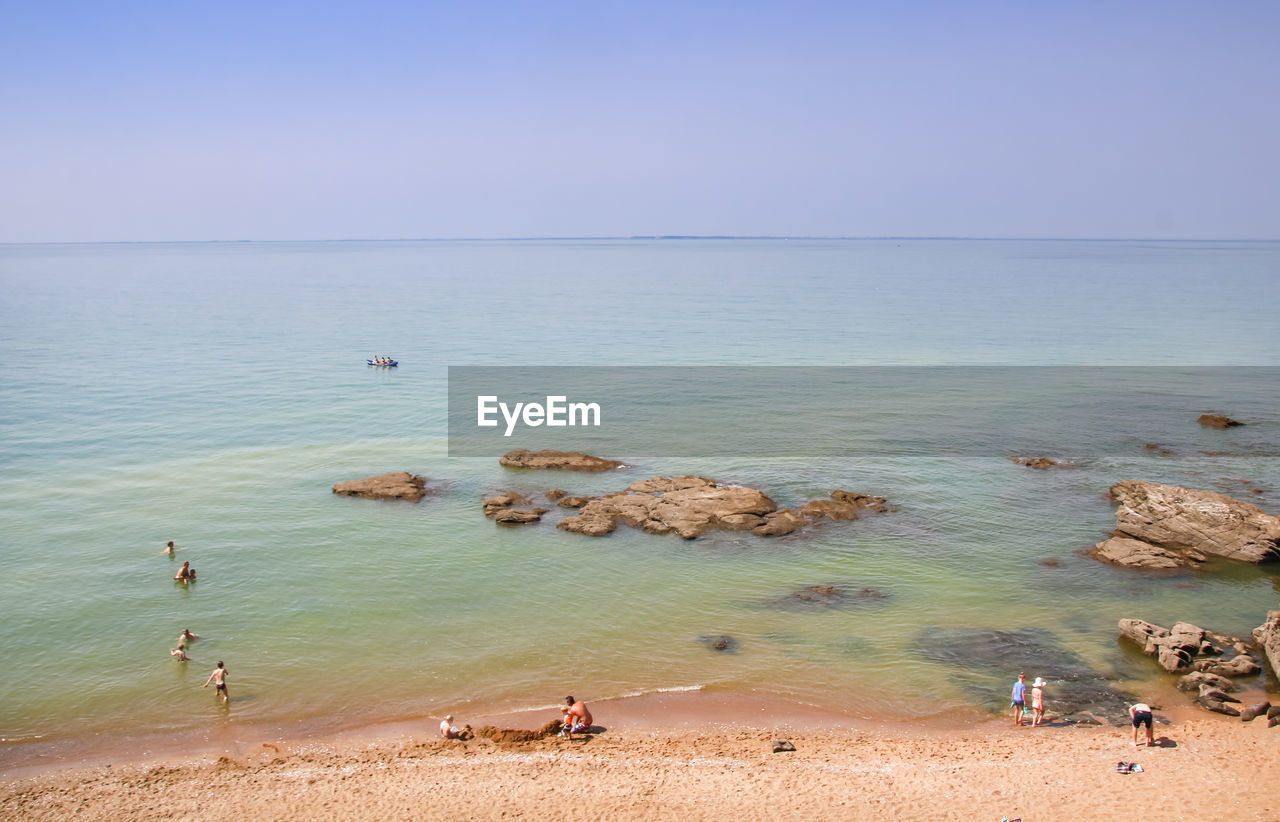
(577, 718)
(1141, 714)
(219, 680)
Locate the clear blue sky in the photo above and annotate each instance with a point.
(228, 120)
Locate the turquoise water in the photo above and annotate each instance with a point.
(212, 393)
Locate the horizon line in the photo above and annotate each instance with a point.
(666, 237)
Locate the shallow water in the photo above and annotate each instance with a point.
(212, 393)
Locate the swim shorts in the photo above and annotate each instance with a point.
(1141, 718)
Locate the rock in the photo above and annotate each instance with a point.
(781, 745)
(1217, 421)
(1217, 706)
(739, 522)
(1140, 632)
(1267, 635)
(555, 494)
(396, 485)
(1034, 462)
(1243, 665)
(1192, 523)
(1254, 711)
(493, 505)
(1197, 680)
(821, 597)
(779, 523)
(1133, 553)
(691, 505)
(556, 461)
(574, 502)
(1214, 693)
(688, 506)
(1273, 722)
(1273, 712)
(722, 643)
(842, 506)
(1173, 660)
(519, 516)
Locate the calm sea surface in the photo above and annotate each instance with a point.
(212, 393)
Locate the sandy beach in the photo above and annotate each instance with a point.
(1204, 768)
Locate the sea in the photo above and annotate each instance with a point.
(212, 394)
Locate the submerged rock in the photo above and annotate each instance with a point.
(1217, 421)
(722, 643)
(1169, 526)
(1035, 462)
(828, 596)
(549, 460)
(396, 485)
(986, 662)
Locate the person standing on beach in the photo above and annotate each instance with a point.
(1019, 698)
(1037, 701)
(1141, 715)
(219, 680)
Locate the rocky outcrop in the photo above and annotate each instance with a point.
(1267, 635)
(556, 494)
(1134, 553)
(500, 508)
(556, 461)
(1186, 647)
(396, 485)
(1217, 421)
(1034, 462)
(843, 506)
(691, 505)
(1183, 526)
(688, 505)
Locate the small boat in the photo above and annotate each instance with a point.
(387, 364)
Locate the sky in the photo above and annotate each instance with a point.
(150, 121)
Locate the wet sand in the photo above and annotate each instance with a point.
(654, 759)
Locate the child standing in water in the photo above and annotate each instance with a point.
(1037, 701)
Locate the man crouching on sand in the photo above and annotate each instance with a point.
(577, 719)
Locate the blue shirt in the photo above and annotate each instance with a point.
(1019, 691)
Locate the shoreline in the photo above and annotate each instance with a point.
(676, 710)
(658, 760)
